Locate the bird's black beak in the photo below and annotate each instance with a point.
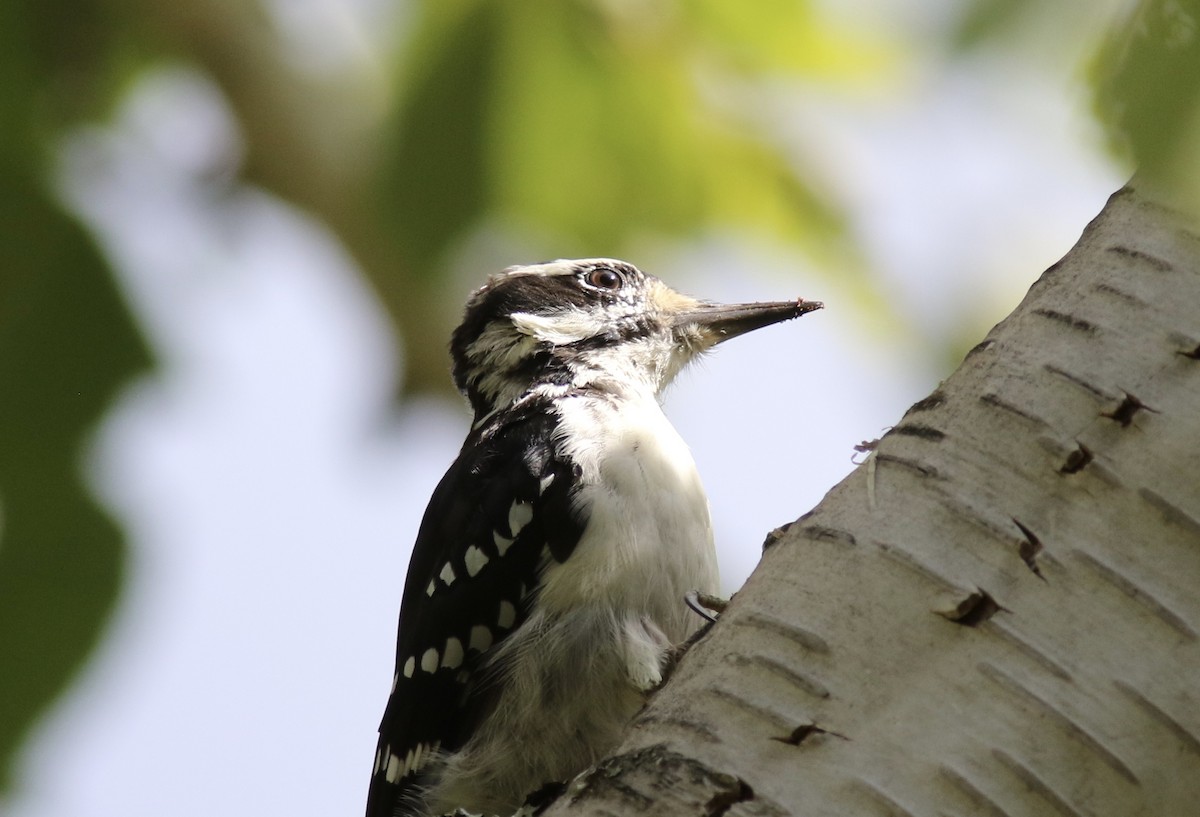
(716, 323)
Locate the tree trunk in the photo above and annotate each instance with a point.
(997, 614)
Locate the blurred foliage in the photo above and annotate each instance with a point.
(67, 344)
(583, 126)
(585, 122)
(988, 20)
(1147, 79)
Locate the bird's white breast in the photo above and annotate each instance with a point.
(648, 537)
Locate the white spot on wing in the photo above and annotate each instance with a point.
(481, 638)
(502, 542)
(545, 483)
(508, 614)
(475, 560)
(518, 516)
(409, 666)
(394, 770)
(452, 656)
(429, 661)
(432, 586)
(408, 762)
(447, 574)
(395, 681)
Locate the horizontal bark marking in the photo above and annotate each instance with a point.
(1184, 735)
(823, 533)
(921, 469)
(920, 431)
(881, 798)
(1004, 628)
(693, 727)
(1038, 786)
(986, 806)
(1078, 324)
(1138, 593)
(1152, 261)
(776, 719)
(1065, 722)
(908, 560)
(996, 401)
(805, 731)
(1171, 513)
(953, 498)
(794, 677)
(792, 632)
(1109, 289)
(1077, 380)
(926, 404)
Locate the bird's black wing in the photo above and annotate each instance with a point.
(473, 572)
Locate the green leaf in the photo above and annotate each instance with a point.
(786, 37)
(431, 184)
(1147, 78)
(66, 344)
(590, 123)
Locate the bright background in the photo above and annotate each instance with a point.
(269, 472)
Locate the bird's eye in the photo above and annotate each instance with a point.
(604, 278)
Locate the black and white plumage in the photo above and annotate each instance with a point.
(547, 581)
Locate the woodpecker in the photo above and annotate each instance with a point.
(546, 586)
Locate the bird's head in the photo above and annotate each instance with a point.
(591, 323)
